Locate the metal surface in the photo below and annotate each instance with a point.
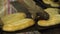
(43, 30)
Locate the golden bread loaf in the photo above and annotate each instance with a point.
(16, 21)
(53, 20)
(18, 25)
(13, 17)
(51, 3)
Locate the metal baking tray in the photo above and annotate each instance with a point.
(34, 27)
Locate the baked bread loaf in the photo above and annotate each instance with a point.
(16, 21)
(53, 3)
(53, 20)
(18, 25)
(13, 17)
